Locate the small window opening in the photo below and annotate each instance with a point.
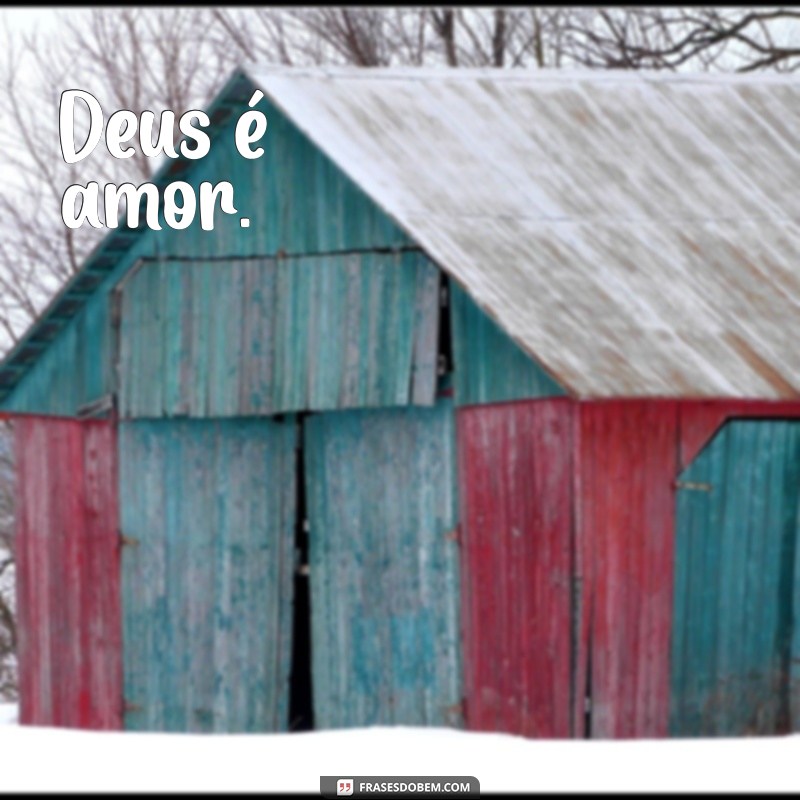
(445, 347)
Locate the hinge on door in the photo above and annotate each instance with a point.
(302, 569)
(102, 405)
(128, 541)
(693, 486)
(130, 708)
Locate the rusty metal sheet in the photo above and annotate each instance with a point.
(68, 580)
(515, 465)
(637, 234)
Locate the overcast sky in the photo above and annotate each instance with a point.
(23, 19)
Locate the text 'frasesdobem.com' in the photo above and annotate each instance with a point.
(361, 786)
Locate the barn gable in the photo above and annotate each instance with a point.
(71, 358)
(611, 258)
(490, 367)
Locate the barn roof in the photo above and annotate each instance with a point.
(638, 234)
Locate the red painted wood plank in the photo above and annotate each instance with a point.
(102, 685)
(700, 420)
(627, 462)
(516, 521)
(68, 573)
(627, 456)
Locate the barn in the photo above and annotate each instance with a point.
(490, 419)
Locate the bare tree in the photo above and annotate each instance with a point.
(134, 59)
(315, 36)
(732, 39)
(8, 628)
(449, 36)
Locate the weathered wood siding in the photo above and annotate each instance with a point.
(207, 579)
(626, 459)
(384, 569)
(298, 202)
(736, 584)
(515, 466)
(232, 338)
(489, 366)
(67, 550)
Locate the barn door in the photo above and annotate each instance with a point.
(67, 572)
(736, 583)
(517, 524)
(383, 567)
(207, 512)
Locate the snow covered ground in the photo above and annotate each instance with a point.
(8, 714)
(45, 759)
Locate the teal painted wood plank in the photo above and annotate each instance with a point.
(384, 569)
(425, 367)
(168, 356)
(735, 582)
(216, 339)
(794, 653)
(489, 367)
(207, 588)
(255, 340)
(326, 212)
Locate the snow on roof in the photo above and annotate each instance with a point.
(636, 233)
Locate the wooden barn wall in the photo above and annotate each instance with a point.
(515, 464)
(701, 419)
(67, 548)
(735, 583)
(221, 339)
(298, 202)
(641, 601)
(626, 464)
(794, 652)
(384, 574)
(489, 366)
(209, 511)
